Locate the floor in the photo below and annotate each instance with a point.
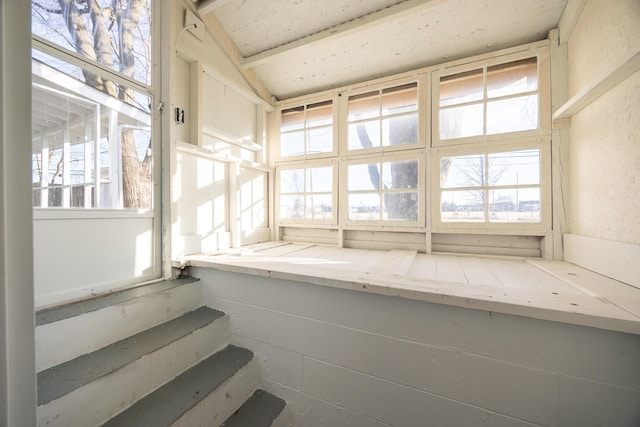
(550, 290)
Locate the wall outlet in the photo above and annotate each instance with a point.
(194, 25)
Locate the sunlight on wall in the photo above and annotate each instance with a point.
(143, 253)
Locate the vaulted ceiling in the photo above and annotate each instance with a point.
(296, 47)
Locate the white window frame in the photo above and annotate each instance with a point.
(388, 224)
(277, 153)
(333, 221)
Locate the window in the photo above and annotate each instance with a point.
(491, 187)
(307, 130)
(384, 190)
(385, 118)
(489, 100)
(307, 193)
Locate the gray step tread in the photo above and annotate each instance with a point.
(66, 377)
(167, 404)
(66, 311)
(260, 410)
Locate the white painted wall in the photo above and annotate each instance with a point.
(346, 358)
(17, 352)
(605, 136)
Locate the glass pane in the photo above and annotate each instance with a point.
(320, 114)
(320, 140)
(461, 88)
(364, 135)
(121, 29)
(400, 130)
(400, 206)
(463, 171)
(292, 119)
(319, 207)
(400, 99)
(72, 123)
(364, 207)
(399, 175)
(320, 180)
(512, 115)
(363, 177)
(519, 205)
(514, 168)
(292, 181)
(292, 207)
(512, 78)
(461, 122)
(364, 106)
(292, 144)
(462, 206)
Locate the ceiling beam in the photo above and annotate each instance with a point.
(206, 6)
(342, 30)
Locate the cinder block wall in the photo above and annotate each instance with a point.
(349, 358)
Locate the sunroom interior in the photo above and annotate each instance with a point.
(413, 212)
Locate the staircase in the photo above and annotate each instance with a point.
(147, 356)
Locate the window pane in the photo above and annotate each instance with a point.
(512, 78)
(319, 206)
(512, 115)
(460, 122)
(400, 130)
(364, 207)
(292, 144)
(364, 106)
(320, 114)
(320, 140)
(292, 181)
(401, 206)
(292, 207)
(363, 177)
(463, 171)
(399, 175)
(292, 119)
(514, 168)
(461, 88)
(520, 205)
(123, 32)
(400, 99)
(320, 180)
(85, 138)
(364, 135)
(462, 206)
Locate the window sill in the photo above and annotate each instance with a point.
(548, 290)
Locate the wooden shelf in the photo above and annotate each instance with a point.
(599, 86)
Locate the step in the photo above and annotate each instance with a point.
(71, 330)
(92, 388)
(204, 395)
(262, 409)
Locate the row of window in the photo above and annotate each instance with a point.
(485, 165)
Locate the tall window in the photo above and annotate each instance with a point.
(92, 101)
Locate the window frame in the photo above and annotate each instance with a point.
(320, 163)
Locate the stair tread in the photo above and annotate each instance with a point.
(66, 311)
(66, 377)
(168, 403)
(260, 410)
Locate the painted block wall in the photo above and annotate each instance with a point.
(348, 358)
(605, 136)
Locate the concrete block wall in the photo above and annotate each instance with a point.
(350, 358)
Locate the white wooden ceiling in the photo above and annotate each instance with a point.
(297, 47)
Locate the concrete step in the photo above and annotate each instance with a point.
(71, 330)
(204, 395)
(90, 389)
(262, 409)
